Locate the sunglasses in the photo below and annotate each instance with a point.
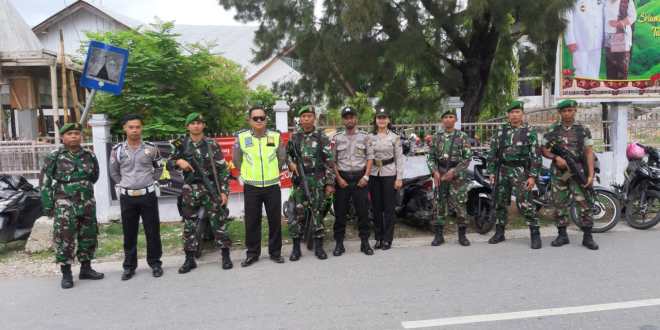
(259, 118)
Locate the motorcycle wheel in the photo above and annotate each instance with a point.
(642, 214)
(481, 223)
(606, 211)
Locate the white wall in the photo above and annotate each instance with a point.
(74, 28)
(277, 72)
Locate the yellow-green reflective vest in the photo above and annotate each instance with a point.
(259, 167)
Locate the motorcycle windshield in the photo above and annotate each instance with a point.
(414, 167)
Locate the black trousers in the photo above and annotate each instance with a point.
(383, 199)
(360, 200)
(132, 208)
(255, 197)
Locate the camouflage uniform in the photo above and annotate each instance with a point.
(520, 161)
(565, 189)
(67, 191)
(452, 194)
(195, 195)
(314, 148)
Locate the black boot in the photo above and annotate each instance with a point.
(295, 253)
(535, 237)
(588, 240)
(365, 248)
(189, 264)
(87, 273)
(67, 277)
(562, 237)
(226, 259)
(462, 239)
(339, 248)
(439, 238)
(499, 235)
(379, 244)
(318, 249)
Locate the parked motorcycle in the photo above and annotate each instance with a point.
(20, 207)
(640, 192)
(414, 201)
(606, 208)
(479, 195)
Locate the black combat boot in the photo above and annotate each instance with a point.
(67, 277)
(295, 253)
(318, 249)
(189, 264)
(339, 248)
(226, 259)
(588, 240)
(499, 235)
(87, 273)
(365, 248)
(562, 237)
(378, 244)
(462, 239)
(439, 239)
(535, 237)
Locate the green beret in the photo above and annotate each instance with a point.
(195, 116)
(448, 112)
(306, 109)
(567, 104)
(516, 105)
(70, 127)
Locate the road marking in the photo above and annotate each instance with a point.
(529, 314)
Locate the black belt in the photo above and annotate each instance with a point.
(515, 163)
(447, 164)
(383, 162)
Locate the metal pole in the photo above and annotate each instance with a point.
(88, 105)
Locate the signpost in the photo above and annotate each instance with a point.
(104, 70)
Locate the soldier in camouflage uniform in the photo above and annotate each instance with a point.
(67, 193)
(576, 139)
(206, 185)
(520, 164)
(313, 148)
(448, 160)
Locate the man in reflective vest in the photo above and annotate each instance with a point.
(259, 154)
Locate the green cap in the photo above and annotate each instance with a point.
(516, 105)
(567, 104)
(195, 116)
(306, 109)
(448, 112)
(70, 127)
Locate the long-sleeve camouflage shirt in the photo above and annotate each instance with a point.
(521, 145)
(442, 150)
(314, 149)
(200, 153)
(69, 175)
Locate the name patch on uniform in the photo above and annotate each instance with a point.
(248, 141)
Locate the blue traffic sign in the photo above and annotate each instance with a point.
(104, 68)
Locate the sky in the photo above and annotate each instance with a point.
(195, 12)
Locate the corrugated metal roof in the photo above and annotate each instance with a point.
(16, 37)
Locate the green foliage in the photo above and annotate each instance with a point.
(165, 81)
(359, 102)
(410, 54)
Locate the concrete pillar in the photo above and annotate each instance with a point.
(100, 138)
(459, 119)
(618, 113)
(281, 116)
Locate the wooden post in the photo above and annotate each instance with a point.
(54, 102)
(74, 95)
(64, 86)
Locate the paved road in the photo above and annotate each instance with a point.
(411, 282)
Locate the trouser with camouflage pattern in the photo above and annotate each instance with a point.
(75, 220)
(302, 205)
(513, 180)
(566, 192)
(194, 197)
(452, 196)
